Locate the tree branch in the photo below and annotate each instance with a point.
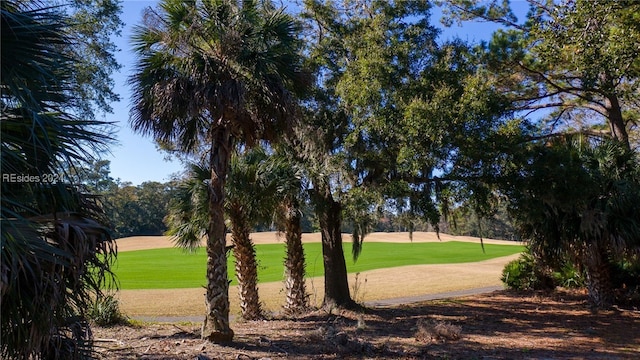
(575, 91)
(487, 18)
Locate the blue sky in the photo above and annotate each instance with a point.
(136, 159)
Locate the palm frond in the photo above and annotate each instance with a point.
(55, 252)
(578, 195)
(230, 60)
(188, 217)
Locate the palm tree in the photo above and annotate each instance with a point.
(258, 186)
(188, 211)
(286, 185)
(189, 215)
(297, 298)
(581, 200)
(214, 73)
(55, 251)
(247, 204)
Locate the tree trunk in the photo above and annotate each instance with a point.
(297, 297)
(336, 286)
(616, 121)
(599, 283)
(246, 265)
(216, 323)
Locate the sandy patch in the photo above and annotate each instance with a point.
(371, 285)
(271, 237)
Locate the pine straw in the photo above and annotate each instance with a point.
(501, 325)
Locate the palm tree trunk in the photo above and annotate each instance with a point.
(336, 285)
(216, 323)
(246, 265)
(599, 284)
(297, 298)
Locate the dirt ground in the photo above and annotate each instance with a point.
(499, 325)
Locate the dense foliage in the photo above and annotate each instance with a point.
(568, 167)
(131, 210)
(56, 248)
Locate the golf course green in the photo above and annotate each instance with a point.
(172, 268)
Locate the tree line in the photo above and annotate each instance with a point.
(348, 111)
(141, 210)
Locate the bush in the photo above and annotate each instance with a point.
(105, 311)
(525, 274)
(626, 281)
(626, 275)
(568, 276)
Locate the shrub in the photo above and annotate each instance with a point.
(568, 276)
(525, 274)
(626, 281)
(626, 275)
(105, 311)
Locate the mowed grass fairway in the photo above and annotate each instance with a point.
(172, 268)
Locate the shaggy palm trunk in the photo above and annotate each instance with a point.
(336, 285)
(297, 299)
(216, 323)
(246, 265)
(599, 283)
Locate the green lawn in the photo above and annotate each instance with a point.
(172, 268)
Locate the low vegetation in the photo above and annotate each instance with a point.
(105, 311)
(527, 273)
(437, 331)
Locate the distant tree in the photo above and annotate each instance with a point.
(215, 74)
(123, 210)
(131, 210)
(497, 225)
(152, 199)
(55, 250)
(95, 176)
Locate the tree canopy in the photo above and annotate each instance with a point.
(572, 64)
